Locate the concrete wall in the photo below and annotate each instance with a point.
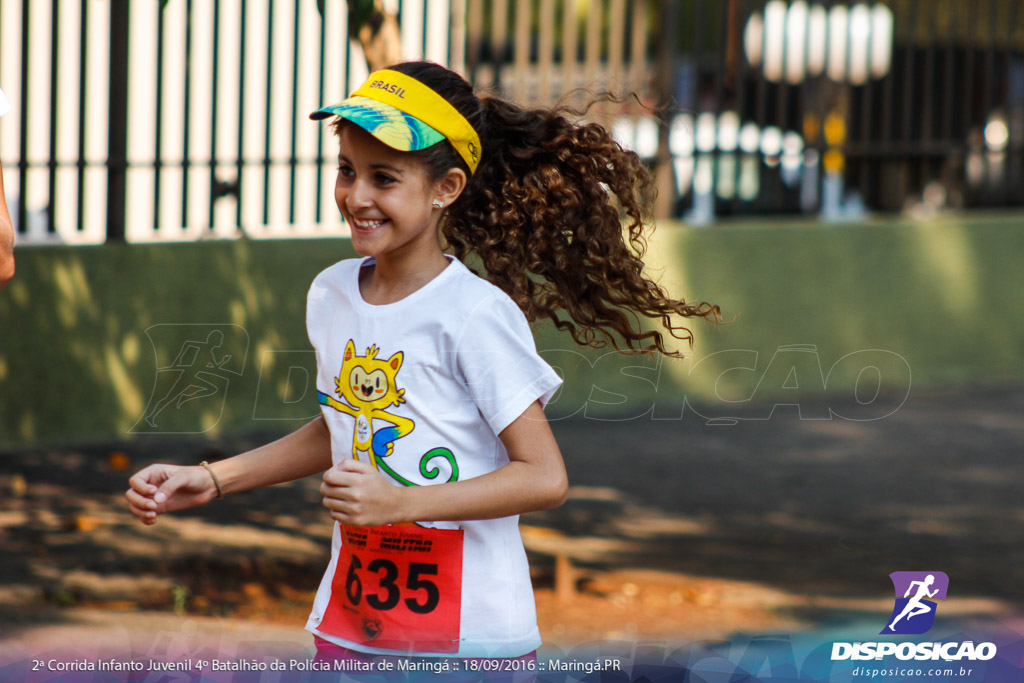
(94, 339)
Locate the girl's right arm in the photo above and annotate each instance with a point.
(165, 488)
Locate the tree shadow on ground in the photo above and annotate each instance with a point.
(815, 508)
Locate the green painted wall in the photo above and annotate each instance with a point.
(839, 310)
(85, 329)
(94, 339)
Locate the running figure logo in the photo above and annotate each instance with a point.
(914, 612)
(193, 371)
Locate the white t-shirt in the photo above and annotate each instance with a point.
(4, 105)
(443, 372)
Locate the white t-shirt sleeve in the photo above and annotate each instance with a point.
(498, 361)
(4, 105)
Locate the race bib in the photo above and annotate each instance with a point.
(397, 588)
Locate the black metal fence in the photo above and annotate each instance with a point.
(903, 105)
(177, 119)
(194, 103)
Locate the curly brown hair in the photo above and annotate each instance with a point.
(544, 213)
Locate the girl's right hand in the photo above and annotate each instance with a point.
(165, 488)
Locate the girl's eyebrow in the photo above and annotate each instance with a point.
(387, 167)
(377, 166)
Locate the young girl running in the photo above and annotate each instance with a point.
(432, 435)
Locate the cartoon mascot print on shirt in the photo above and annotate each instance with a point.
(368, 386)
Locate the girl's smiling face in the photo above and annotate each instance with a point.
(386, 197)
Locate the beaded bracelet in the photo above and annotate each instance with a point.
(216, 482)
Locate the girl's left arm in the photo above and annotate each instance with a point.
(534, 479)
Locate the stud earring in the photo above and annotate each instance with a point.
(438, 204)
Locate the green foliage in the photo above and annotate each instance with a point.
(64, 598)
(179, 598)
(360, 13)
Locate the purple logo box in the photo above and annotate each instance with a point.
(901, 582)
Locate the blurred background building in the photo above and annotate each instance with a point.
(168, 120)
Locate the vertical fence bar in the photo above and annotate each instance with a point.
(186, 159)
(52, 163)
(868, 165)
(423, 30)
(969, 59)
(949, 124)
(616, 44)
(730, 50)
(592, 43)
(853, 157)
(782, 94)
(570, 28)
(742, 67)
(736, 83)
(80, 163)
(734, 88)
(717, 65)
(320, 129)
(928, 82)
(118, 141)
(545, 56)
(499, 29)
(521, 60)
(819, 113)
(990, 58)
(346, 72)
(701, 162)
(158, 162)
(23, 146)
(668, 15)
(699, 29)
(761, 103)
(240, 161)
(424, 24)
(967, 95)
(270, 82)
(457, 37)
(991, 192)
(1014, 189)
(928, 137)
(214, 192)
(891, 167)
(474, 38)
(885, 130)
(906, 132)
(293, 158)
(638, 48)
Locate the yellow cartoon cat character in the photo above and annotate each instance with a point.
(370, 385)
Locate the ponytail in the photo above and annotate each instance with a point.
(555, 212)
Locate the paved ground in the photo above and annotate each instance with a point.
(675, 528)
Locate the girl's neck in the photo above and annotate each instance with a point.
(392, 278)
